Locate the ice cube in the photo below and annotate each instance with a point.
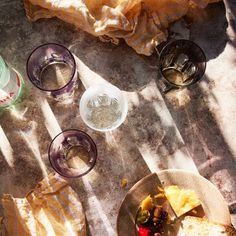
(168, 60)
(73, 141)
(181, 60)
(114, 104)
(86, 144)
(90, 104)
(189, 70)
(103, 100)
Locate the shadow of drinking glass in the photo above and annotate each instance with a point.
(209, 26)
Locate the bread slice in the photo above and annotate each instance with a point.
(195, 226)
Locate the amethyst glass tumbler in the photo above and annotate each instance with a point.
(72, 153)
(51, 68)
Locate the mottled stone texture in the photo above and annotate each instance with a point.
(192, 129)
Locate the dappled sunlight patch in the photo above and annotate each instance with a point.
(163, 114)
(208, 88)
(150, 157)
(6, 148)
(221, 103)
(179, 98)
(183, 97)
(225, 61)
(95, 207)
(51, 122)
(212, 161)
(113, 141)
(42, 216)
(86, 75)
(181, 159)
(18, 114)
(162, 149)
(150, 92)
(110, 140)
(133, 99)
(70, 228)
(30, 137)
(93, 176)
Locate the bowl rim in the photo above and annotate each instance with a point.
(169, 171)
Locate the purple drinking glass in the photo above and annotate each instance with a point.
(51, 68)
(72, 153)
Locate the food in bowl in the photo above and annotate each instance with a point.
(152, 222)
(195, 226)
(181, 200)
(155, 216)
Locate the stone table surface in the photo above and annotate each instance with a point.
(190, 129)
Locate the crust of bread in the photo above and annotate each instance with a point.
(204, 227)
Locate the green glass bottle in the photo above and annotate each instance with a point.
(11, 85)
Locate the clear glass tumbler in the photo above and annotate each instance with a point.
(103, 107)
(72, 153)
(51, 68)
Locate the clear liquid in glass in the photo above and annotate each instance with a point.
(55, 75)
(77, 157)
(178, 69)
(103, 111)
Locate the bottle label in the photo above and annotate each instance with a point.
(10, 92)
(4, 73)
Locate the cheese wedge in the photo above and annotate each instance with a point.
(181, 200)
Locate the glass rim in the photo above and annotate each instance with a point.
(195, 45)
(95, 156)
(124, 113)
(73, 73)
